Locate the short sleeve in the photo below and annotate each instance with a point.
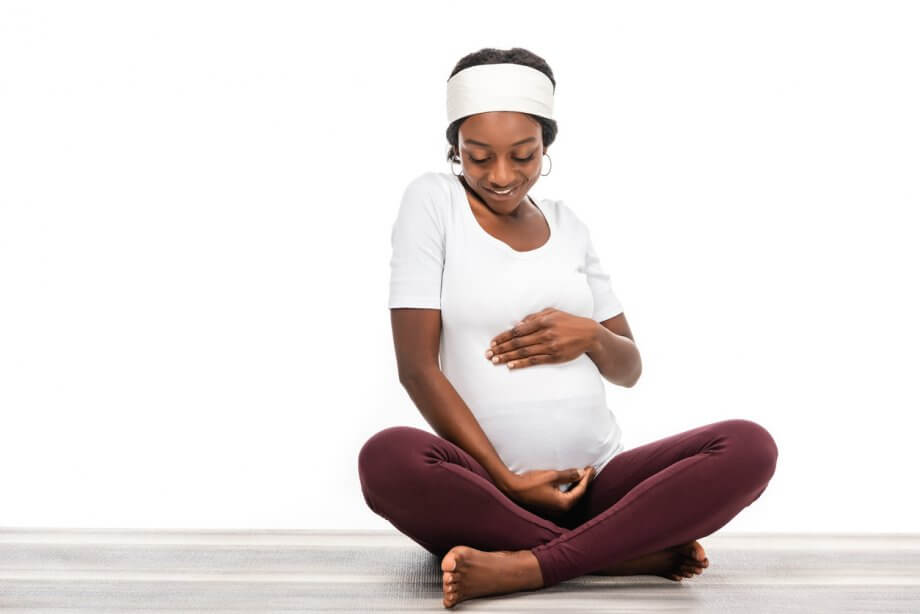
(606, 302)
(417, 239)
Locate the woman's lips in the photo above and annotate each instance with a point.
(502, 195)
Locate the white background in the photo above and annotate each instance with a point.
(195, 210)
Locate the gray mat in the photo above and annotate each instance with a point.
(369, 571)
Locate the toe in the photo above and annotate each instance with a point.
(452, 560)
(695, 565)
(697, 552)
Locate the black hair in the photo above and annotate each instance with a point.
(490, 55)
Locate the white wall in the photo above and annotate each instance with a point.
(195, 210)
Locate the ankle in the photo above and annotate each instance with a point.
(531, 573)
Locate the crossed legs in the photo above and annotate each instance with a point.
(647, 499)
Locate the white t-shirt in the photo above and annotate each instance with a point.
(545, 416)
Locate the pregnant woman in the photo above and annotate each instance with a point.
(506, 325)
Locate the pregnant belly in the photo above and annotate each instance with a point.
(549, 434)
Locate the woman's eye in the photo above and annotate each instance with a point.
(515, 159)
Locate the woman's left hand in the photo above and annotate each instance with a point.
(548, 336)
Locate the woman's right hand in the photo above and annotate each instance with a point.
(538, 489)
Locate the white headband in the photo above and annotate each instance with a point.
(499, 87)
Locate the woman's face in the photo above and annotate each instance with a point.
(500, 150)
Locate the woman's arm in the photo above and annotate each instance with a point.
(417, 335)
(615, 352)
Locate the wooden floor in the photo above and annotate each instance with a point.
(45, 570)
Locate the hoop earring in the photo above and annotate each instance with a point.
(451, 165)
(550, 166)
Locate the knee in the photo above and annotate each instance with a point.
(755, 447)
(382, 456)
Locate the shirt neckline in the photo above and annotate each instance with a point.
(479, 230)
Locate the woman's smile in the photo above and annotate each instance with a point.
(502, 195)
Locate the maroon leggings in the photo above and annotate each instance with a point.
(646, 499)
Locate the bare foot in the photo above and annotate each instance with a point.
(469, 573)
(674, 563)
